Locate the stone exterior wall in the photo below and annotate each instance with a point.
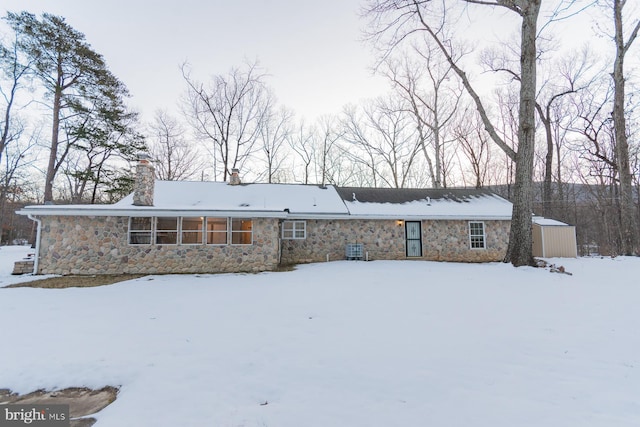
(385, 239)
(99, 245)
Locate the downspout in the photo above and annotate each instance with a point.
(280, 242)
(38, 234)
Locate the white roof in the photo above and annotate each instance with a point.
(220, 196)
(547, 221)
(198, 198)
(296, 201)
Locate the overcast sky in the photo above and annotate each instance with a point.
(311, 49)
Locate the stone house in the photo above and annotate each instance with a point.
(207, 227)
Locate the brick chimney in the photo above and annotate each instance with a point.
(234, 179)
(145, 181)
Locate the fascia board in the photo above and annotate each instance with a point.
(61, 211)
(401, 217)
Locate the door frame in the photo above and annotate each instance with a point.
(407, 239)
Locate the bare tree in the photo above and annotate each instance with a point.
(273, 136)
(14, 176)
(175, 158)
(228, 112)
(627, 207)
(14, 73)
(570, 77)
(431, 98)
(474, 144)
(301, 142)
(401, 18)
(328, 163)
(384, 140)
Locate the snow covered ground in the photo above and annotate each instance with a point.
(341, 344)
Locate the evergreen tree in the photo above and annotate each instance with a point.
(86, 99)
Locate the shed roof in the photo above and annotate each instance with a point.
(548, 222)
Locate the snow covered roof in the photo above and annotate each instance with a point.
(198, 198)
(547, 221)
(406, 203)
(184, 198)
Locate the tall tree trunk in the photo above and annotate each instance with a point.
(53, 150)
(519, 251)
(627, 219)
(547, 195)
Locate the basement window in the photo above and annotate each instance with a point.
(294, 229)
(477, 238)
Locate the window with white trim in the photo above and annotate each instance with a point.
(294, 229)
(140, 230)
(167, 230)
(217, 231)
(191, 230)
(477, 238)
(241, 231)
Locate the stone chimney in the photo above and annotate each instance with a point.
(234, 179)
(145, 181)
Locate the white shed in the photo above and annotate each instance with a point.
(553, 238)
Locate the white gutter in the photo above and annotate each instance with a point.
(38, 228)
(258, 214)
(140, 212)
(401, 216)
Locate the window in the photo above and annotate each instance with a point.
(476, 235)
(167, 230)
(241, 231)
(196, 231)
(294, 230)
(192, 231)
(216, 231)
(140, 231)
